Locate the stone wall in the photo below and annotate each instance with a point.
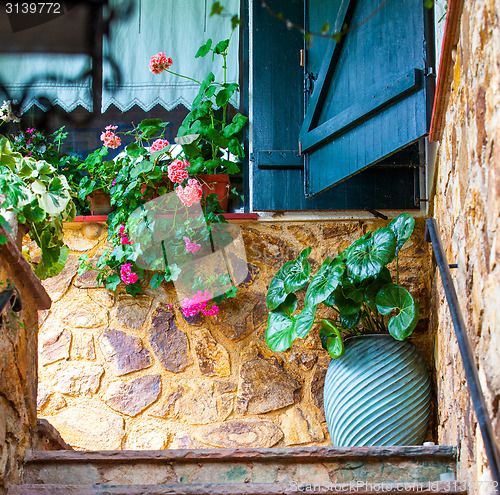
(18, 372)
(467, 207)
(122, 372)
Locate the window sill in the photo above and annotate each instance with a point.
(227, 216)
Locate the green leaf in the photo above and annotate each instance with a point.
(204, 49)
(174, 272)
(234, 146)
(112, 281)
(3, 239)
(34, 214)
(156, 280)
(143, 167)
(8, 158)
(371, 291)
(186, 139)
(402, 227)
(335, 346)
(54, 259)
(297, 273)
(393, 297)
(216, 137)
(221, 47)
(222, 97)
(331, 339)
(135, 151)
(369, 255)
(349, 321)
(345, 305)
(324, 282)
(217, 9)
(289, 305)
(276, 293)
(235, 22)
(236, 125)
(325, 28)
(280, 331)
(304, 321)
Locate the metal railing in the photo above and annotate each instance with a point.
(471, 374)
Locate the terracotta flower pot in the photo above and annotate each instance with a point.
(100, 202)
(218, 184)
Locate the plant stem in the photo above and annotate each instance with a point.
(181, 75)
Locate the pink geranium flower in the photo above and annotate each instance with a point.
(127, 275)
(177, 171)
(109, 138)
(198, 302)
(190, 194)
(191, 247)
(122, 229)
(159, 144)
(159, 63)
(125, 240)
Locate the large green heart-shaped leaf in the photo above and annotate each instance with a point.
(325, 281)
(280, 333)
(369, 256)
(276, 293)
(298, 272)
(402, 226)
(289, 305)
(350, 320)
(304, 321)
(371, 291)
(331, 339)
(393, 297)
(345, 305)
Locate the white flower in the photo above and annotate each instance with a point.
(6, 113)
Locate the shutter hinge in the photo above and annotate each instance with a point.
(302, 58)
(300, 148)
(309, 79)
(430, 72)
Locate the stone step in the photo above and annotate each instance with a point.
(312, 465)
(448, 488)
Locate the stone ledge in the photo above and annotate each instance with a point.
(24, 273)
(225, 455)
(445, 487)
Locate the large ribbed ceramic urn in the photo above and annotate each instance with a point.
(377, 393)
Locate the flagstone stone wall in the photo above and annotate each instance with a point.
(467, 209)
(122, 372)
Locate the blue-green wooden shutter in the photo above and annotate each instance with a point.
(278, 108)
(369, 99)
(278, 177)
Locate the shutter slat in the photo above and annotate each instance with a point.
(364, 110)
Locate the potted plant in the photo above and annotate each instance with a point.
(159, 226)
(377, 389)
(96, 184)
(40, 200)
(211, 141)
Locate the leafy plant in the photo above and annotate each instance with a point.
(356, 285)
(39, 197)
(207, 134)
(154, 227)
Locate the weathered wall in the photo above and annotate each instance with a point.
(118, 372)
(466, 207)
(18, 372)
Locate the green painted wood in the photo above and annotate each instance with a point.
(374, 56)
(277, 104)
(359, 112)
(278, 159)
